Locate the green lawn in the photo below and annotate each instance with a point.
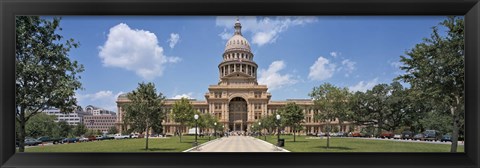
(171, 144)
(304, 144)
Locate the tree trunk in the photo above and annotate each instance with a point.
(294, 135)
(180, 133)
(328, 134)
(456, 128)
(21, 138)
(380, 125)
(146, 140)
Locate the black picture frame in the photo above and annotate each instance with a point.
(9, 9)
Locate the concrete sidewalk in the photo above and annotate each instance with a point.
(238, 144)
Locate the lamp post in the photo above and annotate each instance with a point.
(278, 126)
(196, 127)
(253, 129)
(260, 125)
(215, 129)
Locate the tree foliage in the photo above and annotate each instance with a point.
(182, 113)
(293, 117)
(64, 129)
(112, 130)
(268, 123)
(435, 68)
(330, 103)
(80, 129)
(145, 109)
(40, 125)
(45, 77)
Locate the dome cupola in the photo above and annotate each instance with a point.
(237, 41)
(238, 67)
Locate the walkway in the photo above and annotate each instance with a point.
(238, 144)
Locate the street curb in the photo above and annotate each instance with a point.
(282, 149)
(206, 143)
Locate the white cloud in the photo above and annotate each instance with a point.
(174, 38)
(334, 54)
(349, 66)
(225, 35)
(273, 79)
(103, 99)
(187, 95)
(134, 50)
(264, 30)
(322, 69)
(363, 86)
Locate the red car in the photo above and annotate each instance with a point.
(92, 138)
(357, 134)
(387, 135)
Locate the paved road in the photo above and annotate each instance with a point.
(238, 144)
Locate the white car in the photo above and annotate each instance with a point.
(118, 136)
(83, 139)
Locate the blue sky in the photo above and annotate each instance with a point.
(294, 54)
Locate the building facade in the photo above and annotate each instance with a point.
(238, 101)
(73, 118)
(99, 122)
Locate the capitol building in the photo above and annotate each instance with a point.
(238, 101)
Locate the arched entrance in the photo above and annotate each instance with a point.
(237, 114)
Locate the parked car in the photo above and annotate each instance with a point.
(446, 138)
(119, 136)
(48, 139)
(99, 137)
(386, 135)
(338, 134)
(432, 135)
(70, 140)
(83, 139)
(357, 134)
(110, 136)
(321, 134)
(32, 142)
(92, 138)
(420, 137)
(397, 136)
(407, 135)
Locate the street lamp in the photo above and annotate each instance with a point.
(278, 126)
(215, 129)
(196, 127)
(223, 130)
(253, 129)
(260, 125)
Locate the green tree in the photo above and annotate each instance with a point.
(293, 117)
(79, 130)
(40, 125)
(208, 122)
(145, 109)
(436, 68)
(182, 113)
(330, 103)
(370, 108)
(112, 130)
(98, 132)
(45, 77)
(64, 129)
(268, 123)
(401, 109)
(90, 133)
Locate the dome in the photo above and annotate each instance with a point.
(237, 42)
